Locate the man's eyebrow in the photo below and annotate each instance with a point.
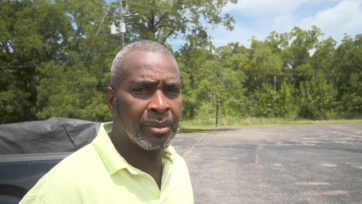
(173, 85)
(144, 83)
(154, 83)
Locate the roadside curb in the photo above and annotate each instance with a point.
(203, 130)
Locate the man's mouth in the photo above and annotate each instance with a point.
(157, 127)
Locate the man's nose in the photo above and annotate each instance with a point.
(159, 102)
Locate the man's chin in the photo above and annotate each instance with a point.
(156, 141)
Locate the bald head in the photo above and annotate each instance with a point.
(117, 71)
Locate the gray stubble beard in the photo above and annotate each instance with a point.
(138, 138)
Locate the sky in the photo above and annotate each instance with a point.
(260, 17)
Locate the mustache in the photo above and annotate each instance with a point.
(158, 120)
(155, 121)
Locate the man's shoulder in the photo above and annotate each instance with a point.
(179, 160)
(179, 164)
(73, 168)
(69, 176)
(83, 158)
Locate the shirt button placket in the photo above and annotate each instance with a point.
(148, 183)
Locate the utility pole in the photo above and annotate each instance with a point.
(217, 112)
(217, 108)
(121, 24)
(275, 82)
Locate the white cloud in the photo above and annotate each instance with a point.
(282, 15)
(284, 22)
(239, 34)
(263, 7)
(344, 17)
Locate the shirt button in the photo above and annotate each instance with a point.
(148, 183)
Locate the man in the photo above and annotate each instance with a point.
(130, 160)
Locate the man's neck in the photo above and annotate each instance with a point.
(149, 162)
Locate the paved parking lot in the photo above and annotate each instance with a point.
(288, 164)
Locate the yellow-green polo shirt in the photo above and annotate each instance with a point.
(97, 173)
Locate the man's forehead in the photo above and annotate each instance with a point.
(143, 66)
(143, 61)
(149, 78)
(141, 54)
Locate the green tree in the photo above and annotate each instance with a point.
(75, 88)
(190, 59)
(73, 93)
(260, 65)
(347, 62)
(78, 90)
(265, 101)
(286, 102)
(210, 76)
(315, 99)
(347, 76)
(350, 104)
(160, 20)
(321, 60)
(220, 82)
(32, 32)
(295, 55)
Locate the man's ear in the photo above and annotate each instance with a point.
(111, 100)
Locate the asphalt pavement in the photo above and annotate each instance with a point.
(286, 164)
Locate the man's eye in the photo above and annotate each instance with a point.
(141, 89)
(174, 91)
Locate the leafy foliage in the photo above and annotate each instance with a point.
(56, 56)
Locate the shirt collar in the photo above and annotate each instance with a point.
(110, 156)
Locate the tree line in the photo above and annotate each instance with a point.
(56, 56)
(297, 74)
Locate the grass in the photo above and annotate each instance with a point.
(236, 122)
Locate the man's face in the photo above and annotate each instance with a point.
(148, 99)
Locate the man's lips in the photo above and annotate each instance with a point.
(158, 127)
